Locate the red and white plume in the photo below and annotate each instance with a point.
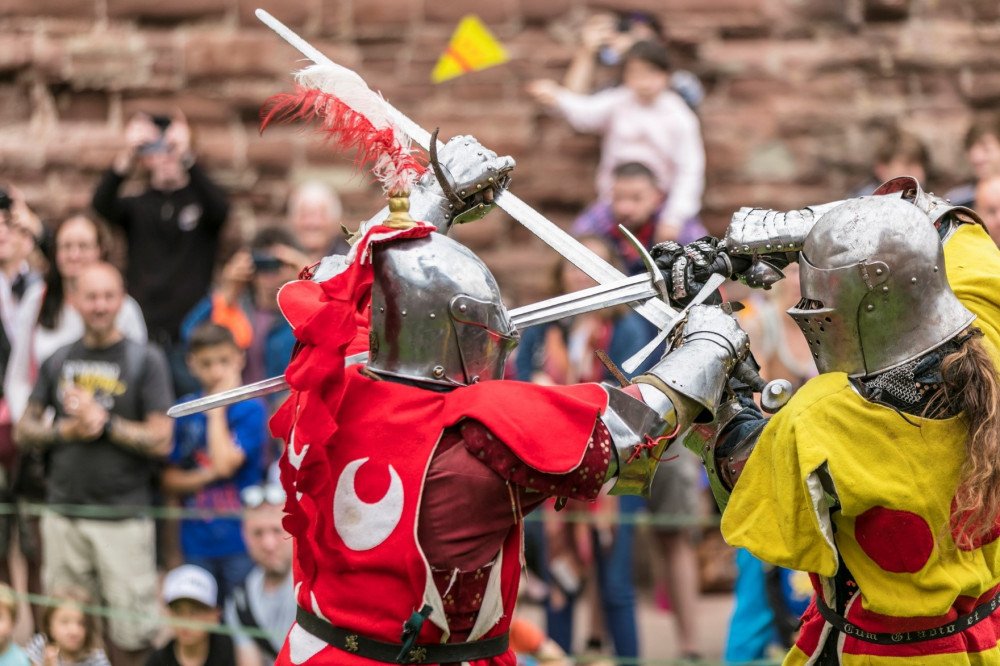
(352, 116)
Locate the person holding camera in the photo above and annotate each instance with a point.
(173, 227)
(246, 302)
(21, 232)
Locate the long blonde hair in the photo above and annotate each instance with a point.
(970, 385)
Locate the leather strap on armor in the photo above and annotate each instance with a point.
(389, 653)
(958, 625)
(637, 432)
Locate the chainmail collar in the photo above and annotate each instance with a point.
(909, 388)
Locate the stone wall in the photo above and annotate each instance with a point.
(798, 92)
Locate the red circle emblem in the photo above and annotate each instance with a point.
(897, 541)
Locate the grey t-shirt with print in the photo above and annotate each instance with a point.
(130, 380)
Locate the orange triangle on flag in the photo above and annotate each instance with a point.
(472, 47)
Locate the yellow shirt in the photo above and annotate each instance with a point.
(894, 481)
(972, 262)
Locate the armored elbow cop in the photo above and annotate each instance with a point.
(685, 386)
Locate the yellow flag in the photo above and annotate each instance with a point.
(472, 47)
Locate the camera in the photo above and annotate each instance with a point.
(607, 54)
(264, 262)
(160, 145)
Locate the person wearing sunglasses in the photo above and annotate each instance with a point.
(245, 302)
(265, 599)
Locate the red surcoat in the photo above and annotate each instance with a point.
(355, 466)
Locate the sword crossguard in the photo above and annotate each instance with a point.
(659, 282)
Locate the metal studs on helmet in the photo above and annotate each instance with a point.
(437, 316)
(874, 290)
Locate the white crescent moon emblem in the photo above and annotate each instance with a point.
(363, 526)
(293, 457)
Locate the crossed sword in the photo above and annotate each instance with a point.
(646, 294)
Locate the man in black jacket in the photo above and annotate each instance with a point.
(173, 227)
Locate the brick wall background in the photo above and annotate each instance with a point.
(797, 94)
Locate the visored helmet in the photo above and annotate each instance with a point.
(874, 290)
(436, 314)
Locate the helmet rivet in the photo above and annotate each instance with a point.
(913, 280)
(878, 271)
(433, 316)
(935, 269)
(403, 313)
(768, 246)
(870, 307)
(779, 246)
(463, 307)
(885, 290)
(438, 371)
(381, 309)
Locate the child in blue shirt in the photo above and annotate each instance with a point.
(216, 454)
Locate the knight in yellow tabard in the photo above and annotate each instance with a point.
(881, 476)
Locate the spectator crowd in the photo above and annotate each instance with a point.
(92, 357)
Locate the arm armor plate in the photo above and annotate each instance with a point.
(684, 386)
(758, 231)
(941, 212)
(632, 423)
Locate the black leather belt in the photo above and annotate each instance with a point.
(958, 625)
(389, 653)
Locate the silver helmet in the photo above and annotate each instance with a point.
(436, 314)
(874, 290)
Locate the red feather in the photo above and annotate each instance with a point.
(392, 163)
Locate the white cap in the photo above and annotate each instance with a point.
(190, 582)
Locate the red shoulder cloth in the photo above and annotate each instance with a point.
(547, 427)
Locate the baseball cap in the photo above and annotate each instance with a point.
(190, 582)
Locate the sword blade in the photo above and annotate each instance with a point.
(238, 394)
(631, 289)
(656, 311)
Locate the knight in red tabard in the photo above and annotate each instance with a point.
(408, 476)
